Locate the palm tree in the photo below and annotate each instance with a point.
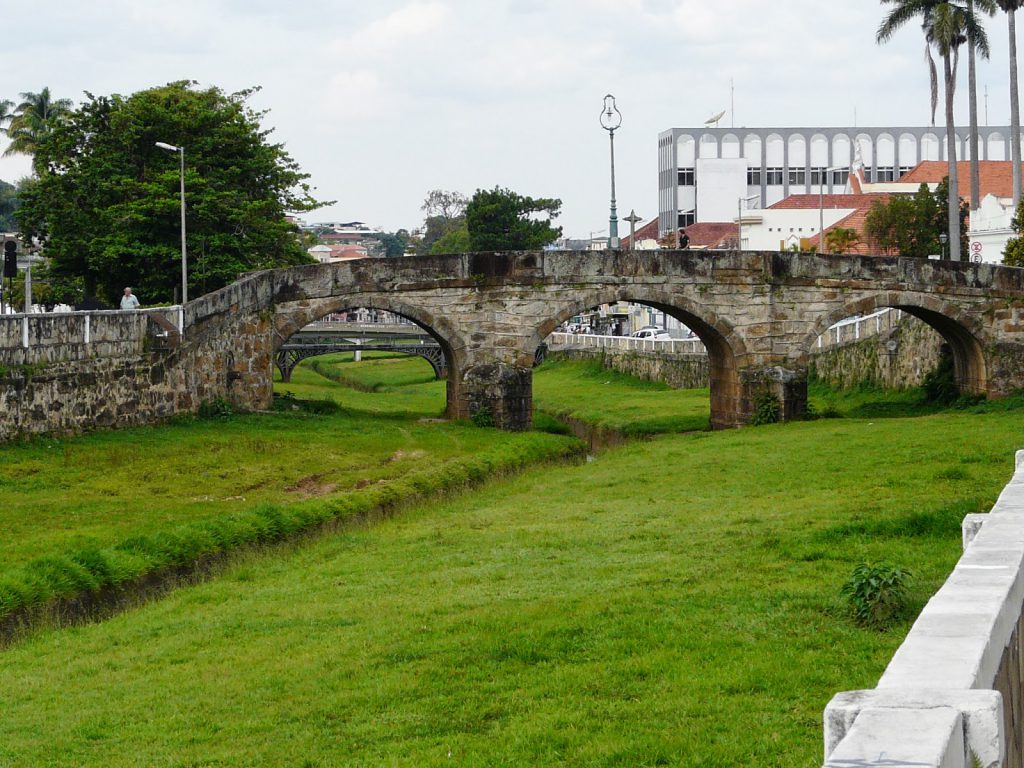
(1010, 7)
(987, 7)
(947, 25)
(33, 119)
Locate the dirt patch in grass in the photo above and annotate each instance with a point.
(310, 486)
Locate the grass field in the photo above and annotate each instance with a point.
(672, 602)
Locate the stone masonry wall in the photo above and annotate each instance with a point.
(678, 371)
(898, 359)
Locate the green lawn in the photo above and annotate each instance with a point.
(672, 602)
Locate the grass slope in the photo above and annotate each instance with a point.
(673, 602)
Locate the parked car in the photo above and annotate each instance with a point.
(652, 333)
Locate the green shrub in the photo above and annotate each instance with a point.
(939, 385)
(217, 408)
(767, 409)
(482, 416)
(876, 594)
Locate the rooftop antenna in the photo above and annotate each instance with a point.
(715, 118)
(732, 102)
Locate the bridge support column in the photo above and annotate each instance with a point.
(497, 394)
(787, 385)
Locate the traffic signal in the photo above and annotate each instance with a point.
(10, 258)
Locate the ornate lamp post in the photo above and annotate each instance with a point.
(943, 238)
(611, 119)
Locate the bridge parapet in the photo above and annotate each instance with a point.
(954, 690)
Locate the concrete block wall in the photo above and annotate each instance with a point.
(952, 694)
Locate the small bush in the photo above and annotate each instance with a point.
(939, 385)
(876, 594)
(218, 408)
(767, 409)
(482, 417)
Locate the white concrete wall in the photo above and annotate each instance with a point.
(722, 184)
(935, 704)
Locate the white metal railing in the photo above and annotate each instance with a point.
(854, 328)
(627, 343)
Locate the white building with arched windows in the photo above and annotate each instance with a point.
(711, 174)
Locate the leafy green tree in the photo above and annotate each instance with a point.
(8, 205)
(106, 200)
(454, 241)
(1013, 254)
(32, 120)
(910, 226)
(501, 220)
(395, 243)
(446, 212)
(841, 239)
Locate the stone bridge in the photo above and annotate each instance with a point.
(757, 313)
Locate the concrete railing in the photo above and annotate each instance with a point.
(55, 336)
(951, 696)
(626, 343)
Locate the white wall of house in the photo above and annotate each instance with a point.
(990, 230)
(724, 183)
(776, 229)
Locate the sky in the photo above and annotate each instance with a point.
(383, 101)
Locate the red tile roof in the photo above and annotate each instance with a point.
(995, 176)
(860, 204)
(648, 231)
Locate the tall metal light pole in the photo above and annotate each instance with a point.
(184, 250)
(611, 119)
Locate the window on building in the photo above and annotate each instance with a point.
(773, 176)
(840, 176)
(885, 173)
(686, 218)
(753, 177)
(686, 177)
(906, 169)
(797, 176)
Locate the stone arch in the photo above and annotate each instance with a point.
(722, 342)
(959, 329)
(289, 317)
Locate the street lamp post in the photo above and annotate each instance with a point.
(943, 238)
(184, 250)
(611, 119)
(821, 206)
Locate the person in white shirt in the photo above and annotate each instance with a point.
(129, 300)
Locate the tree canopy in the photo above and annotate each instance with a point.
(911, 225)
(501, 220)
(105, 203)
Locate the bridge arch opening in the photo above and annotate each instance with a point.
(693, 331)
(911, 334)
(348, 324)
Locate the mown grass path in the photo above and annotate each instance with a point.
(672, 602)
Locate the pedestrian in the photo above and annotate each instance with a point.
(684, 239)
(129, 300)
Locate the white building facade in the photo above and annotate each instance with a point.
(707, 174)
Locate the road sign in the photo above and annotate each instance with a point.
(976, 247)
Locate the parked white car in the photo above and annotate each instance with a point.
(652, 333)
